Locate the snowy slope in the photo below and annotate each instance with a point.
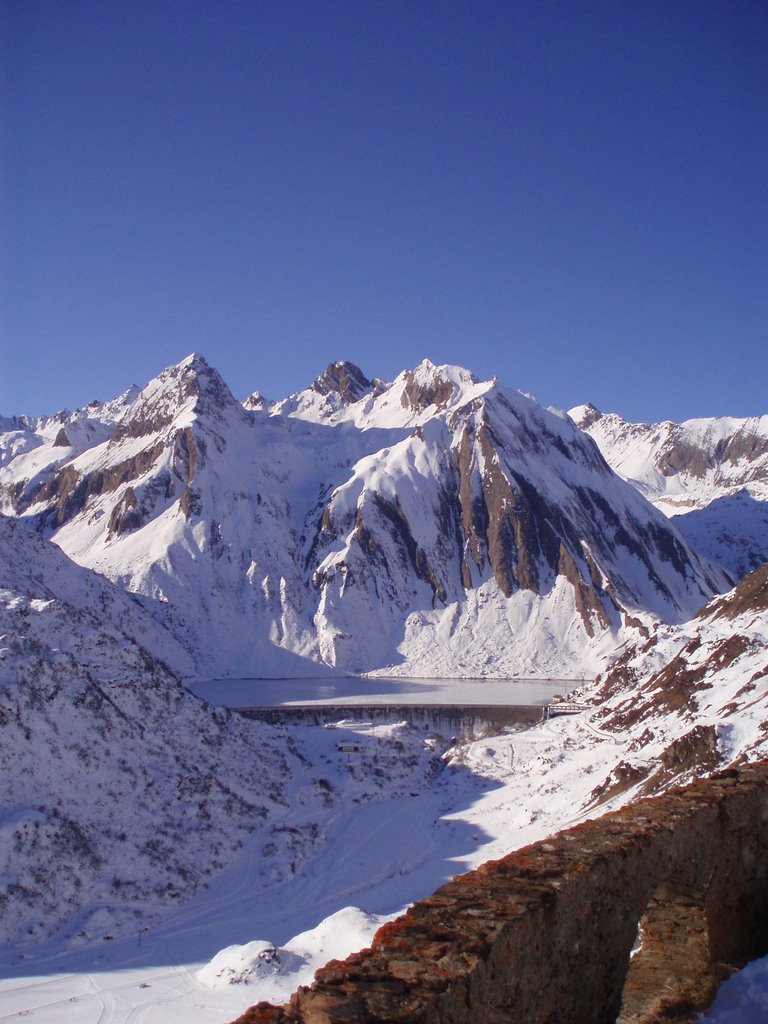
(439, 521)
(378, 828)
(108, 619)
(500, 542)
(121, 792)
(40, 446)
(144, 835)
(710, 475)
(436, 524)
(124, 799)
(700, 691)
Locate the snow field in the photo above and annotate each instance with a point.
(363, 834)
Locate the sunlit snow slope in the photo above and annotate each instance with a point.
(433, 525)
(123, 797)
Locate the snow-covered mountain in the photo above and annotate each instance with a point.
(124, 796)
(694, 697)
(709, 475)
(689, 700)
(435, 524)
(121, 792)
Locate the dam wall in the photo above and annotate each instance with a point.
(634, 917)
(449, 720)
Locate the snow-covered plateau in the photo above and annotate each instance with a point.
(162, 859)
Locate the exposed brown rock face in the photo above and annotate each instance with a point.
(507, 521)
(392, 512)
(692, 449)
(146, 420)
(494, 520)
(155, 411)
(750, 595)
(675, 687)
(344, 378)
(544, 935)
(587, 602)
(126, 515)
(681, 456)
(60, 491)
(68, 493)
(474, 514)
(420, 396)
(185, 454)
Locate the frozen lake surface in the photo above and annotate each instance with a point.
(352, 690)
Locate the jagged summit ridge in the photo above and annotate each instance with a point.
(190, 389)
(345, 379)
(144, 456)
(342, 393)
(436, 524)
(684, 464)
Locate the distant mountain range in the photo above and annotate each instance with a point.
(431, 525)
(709, 475)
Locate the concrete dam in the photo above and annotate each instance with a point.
(465, 722)
(450, 720)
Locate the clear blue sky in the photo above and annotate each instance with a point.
(569, 195)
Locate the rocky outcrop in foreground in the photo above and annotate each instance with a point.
(546, 933)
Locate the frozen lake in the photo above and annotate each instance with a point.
(261, 693)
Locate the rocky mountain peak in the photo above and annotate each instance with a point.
(197, 378)
(710, 474)
(255, 402)
(429, 384)
(354, 547)
(585, 415)
(192, 385)
(343, 379)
